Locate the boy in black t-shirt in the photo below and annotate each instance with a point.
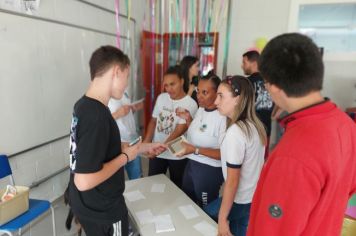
(263, 101)
(96, 183)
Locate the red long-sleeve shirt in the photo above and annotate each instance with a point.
(309, 177)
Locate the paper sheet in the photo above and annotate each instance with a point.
(163, 223)
(188, 211)
(206, 229)
(158, 188)
(145, 217)
(137, 101)
(134, 196)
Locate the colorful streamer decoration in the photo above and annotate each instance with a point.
(117, 22)
(178, 29)
(196, 30)
(227, 40)
(217, 19)
(185, 20)
(153, 10)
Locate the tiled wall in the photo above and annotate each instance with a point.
(36, 165)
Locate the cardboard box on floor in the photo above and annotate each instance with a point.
(14, 207)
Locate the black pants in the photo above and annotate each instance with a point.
(202, 182)
(92, 228)
(176, 169)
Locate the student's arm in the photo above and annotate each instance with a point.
(178, 131)
(209, 152)
(285, 198)
(230, 189)
(185, 114)
(121, 112)
(150, 130)
(137, 106)
(152, 148)
(233, 151)
(87, 181)
(182, 124)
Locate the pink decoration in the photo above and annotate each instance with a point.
(253, 49)
(117, 23)
(351, 211)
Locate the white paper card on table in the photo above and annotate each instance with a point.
(164, 223)
(145, 216)
(206, 229)
(158, 188)
(134, 196)
(188, 211)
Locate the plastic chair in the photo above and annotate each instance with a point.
(36, 207)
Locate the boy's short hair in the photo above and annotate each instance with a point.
(104, 58)
(174, 70)
(252, 55)
(293, 63)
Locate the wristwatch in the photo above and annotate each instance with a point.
(196, 152)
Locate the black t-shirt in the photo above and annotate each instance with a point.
(95, 140)
(264, 103)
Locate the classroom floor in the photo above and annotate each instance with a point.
(43, 226)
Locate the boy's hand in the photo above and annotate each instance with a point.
(131, 151)
(150, 150)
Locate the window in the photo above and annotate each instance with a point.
(331, 26)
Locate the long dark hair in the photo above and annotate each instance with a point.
(185, 65)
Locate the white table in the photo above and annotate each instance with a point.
(164, 203)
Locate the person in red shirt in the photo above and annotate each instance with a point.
(310, 175)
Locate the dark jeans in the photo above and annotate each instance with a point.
(238, 216)
(202, 182)
(176, 169)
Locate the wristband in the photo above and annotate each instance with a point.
(127, 157)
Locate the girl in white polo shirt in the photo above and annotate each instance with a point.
(242, 155)
(203, 177)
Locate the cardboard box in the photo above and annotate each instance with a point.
(16, 206)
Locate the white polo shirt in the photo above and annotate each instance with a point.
(167, 120)
(206, 131)
(126, 124)
(237, 151)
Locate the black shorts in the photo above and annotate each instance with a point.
(92, 228)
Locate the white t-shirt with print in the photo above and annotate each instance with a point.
(126, 124)
(237, 151)
(206, 131)
(164, 112)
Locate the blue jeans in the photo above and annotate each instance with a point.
(238, 216)
(133, 168)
